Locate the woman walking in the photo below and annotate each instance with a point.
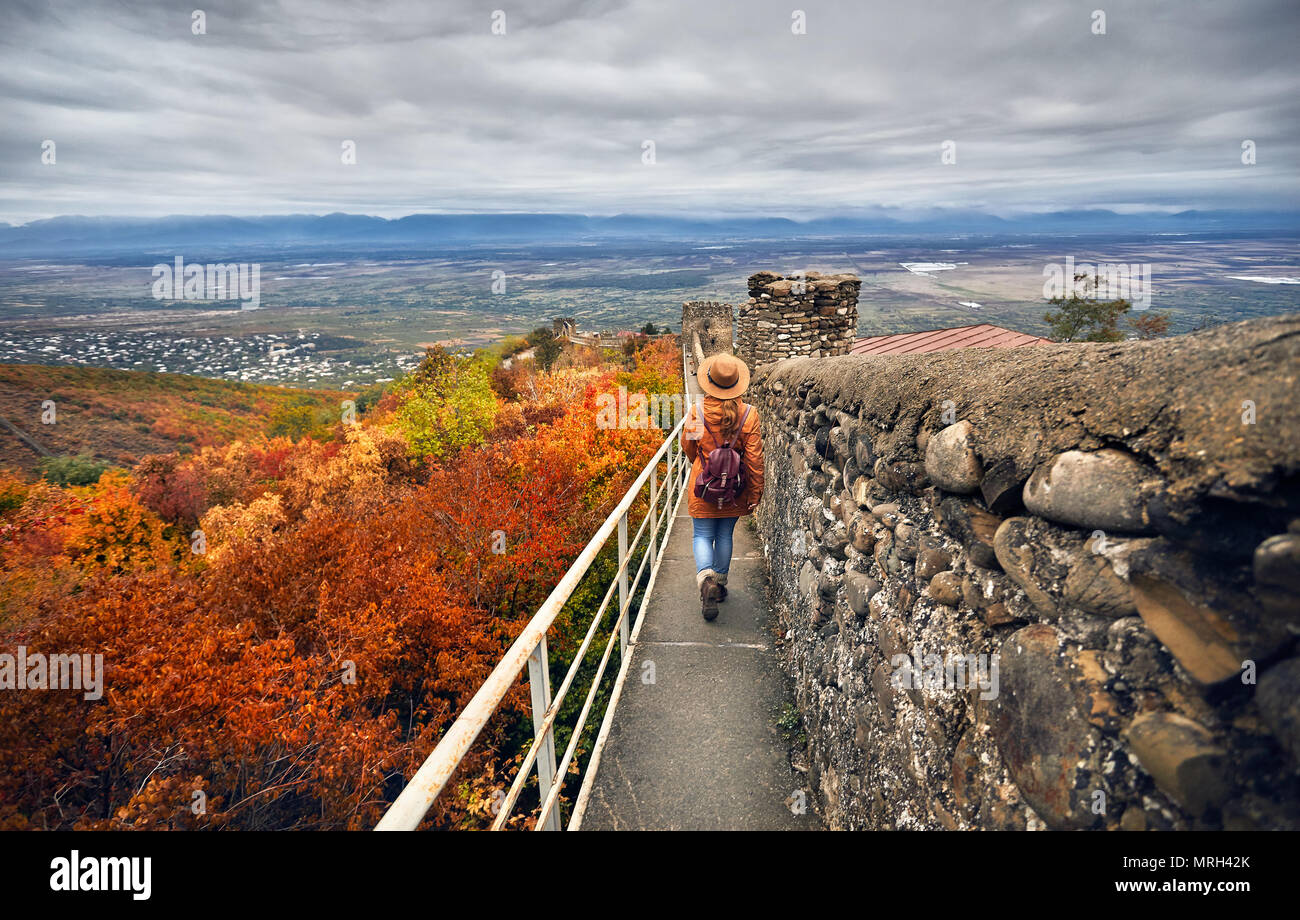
(724, 487)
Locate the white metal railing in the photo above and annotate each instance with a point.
(530, 650)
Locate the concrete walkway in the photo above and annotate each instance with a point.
(699, 748)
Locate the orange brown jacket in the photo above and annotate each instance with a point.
(698, 443)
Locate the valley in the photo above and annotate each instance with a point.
(334, 316)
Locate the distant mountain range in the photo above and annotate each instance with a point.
(63, 236)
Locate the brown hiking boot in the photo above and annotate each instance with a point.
(709, 598)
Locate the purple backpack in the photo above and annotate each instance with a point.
(722, 476)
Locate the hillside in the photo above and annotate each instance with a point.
(233, 592)
(119, 416)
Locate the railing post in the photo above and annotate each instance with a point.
(673, 491)
(674, 461)
(667, 484)
(624, 636)
(676, 465)
(539, 686)
(670, 482)
(652, 543)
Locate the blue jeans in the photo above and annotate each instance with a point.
(712, 543)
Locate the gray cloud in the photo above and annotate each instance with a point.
(746, 116)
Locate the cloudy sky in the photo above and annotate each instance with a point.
(746, 116)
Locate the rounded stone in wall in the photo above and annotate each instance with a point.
(1276, 567)
(1180, 754)
(1092, 585)
(1278, 697)
(951, 461)
(905, 540)
(1039, 721)
(860, 532)
(945, 587)
(863, 451)
(839, 444)
(888, 514)
(901, 475)
(836, 540)
(860, 487)
(848, 507)
(823, 441)
(1105, 489)
(807, 578)
(859, 587)
(931, 558)
(816, 482)
(828, 584)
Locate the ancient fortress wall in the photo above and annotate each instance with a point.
(706, 328)
(1049, 586)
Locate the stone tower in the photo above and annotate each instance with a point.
(807, 314)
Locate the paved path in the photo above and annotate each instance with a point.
(699, 748)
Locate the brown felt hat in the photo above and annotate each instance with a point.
(723, 376)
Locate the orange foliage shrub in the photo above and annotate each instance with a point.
(254, 522)
(115, 533)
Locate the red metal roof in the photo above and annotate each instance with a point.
(983, 335)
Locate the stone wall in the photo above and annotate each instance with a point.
(805, 315)
(1054, 586)
(712, 322)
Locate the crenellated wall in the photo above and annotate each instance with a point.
(806, 314)
(1053, 586)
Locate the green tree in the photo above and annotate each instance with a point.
(512, 345)
(445, 404)
(81, 470)
(369, 396)
(291, 422)
(546, 347)
(1080, 320)
(649, 329)
(302, 416)
(538, 336)
(1086, 319)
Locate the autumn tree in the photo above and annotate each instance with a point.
(174, 490)
(1150, 325)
